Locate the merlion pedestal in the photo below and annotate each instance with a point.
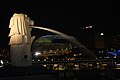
(20, 40)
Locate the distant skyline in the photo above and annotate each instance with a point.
(64, 17)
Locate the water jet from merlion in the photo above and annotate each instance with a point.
(21, 40)
(84, 49)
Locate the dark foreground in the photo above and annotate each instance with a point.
(41, 73)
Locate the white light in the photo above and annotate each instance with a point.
(44, 65)
(88, 27)
(1, 61)
(44, 59)
(37, 53)
(101, 34)
(55, 65)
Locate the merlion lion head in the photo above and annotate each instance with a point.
(19, 24)
(20, 27)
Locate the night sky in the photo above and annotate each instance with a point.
(66, 17)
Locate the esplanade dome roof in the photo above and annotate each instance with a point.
(51, 38)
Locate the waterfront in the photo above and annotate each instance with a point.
(88, 26)
(62, 70)
(13, 73)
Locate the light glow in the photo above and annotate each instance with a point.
(88, 27)
(37, 53)
(101, 34)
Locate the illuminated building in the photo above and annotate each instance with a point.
(51, 43)
(96, 39)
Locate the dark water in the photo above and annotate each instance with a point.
(93, 74)
(41, 73)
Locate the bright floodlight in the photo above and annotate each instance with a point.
(1, 61)
(37, 53)
(101, 34)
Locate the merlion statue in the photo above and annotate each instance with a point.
(20, 40)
